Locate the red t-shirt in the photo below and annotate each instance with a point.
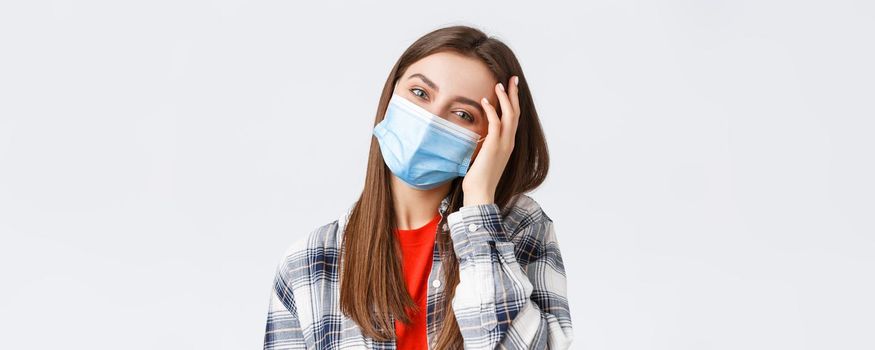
(417, 246)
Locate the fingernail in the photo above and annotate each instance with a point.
(516, 80)
(485, 100)
(501, 86)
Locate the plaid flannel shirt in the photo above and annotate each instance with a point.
(511, 292)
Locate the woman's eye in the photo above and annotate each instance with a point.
(465, 115)
(418, 92)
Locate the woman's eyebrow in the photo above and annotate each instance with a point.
(469, 101)
(426, 80)
(460, 99)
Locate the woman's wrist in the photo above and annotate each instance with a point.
(477, 199)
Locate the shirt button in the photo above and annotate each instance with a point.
(472, 227)
(436, 283)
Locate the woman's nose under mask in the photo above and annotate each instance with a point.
(420, 148)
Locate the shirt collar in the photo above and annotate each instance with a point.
(445, 203)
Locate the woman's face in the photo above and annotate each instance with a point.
(451, 85)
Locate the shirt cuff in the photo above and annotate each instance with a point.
(473, 225)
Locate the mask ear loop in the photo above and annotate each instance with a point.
(481, 139)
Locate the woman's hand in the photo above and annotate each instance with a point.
(482, 177)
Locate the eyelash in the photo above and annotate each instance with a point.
(471, 120)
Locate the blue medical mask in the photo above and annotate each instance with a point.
(420, 148)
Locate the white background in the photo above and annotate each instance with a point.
(711, 180)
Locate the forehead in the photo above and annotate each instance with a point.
(455, 74)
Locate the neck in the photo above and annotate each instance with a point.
(414, 208)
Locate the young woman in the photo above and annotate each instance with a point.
(442, 250)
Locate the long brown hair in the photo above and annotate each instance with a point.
(372, 289)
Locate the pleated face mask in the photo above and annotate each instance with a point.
(423, 149)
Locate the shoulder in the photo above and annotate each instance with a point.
(317, 252)
(531, 231)
(523, 212)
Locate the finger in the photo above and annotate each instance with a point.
(494, 127)
(513, 94)
(507, 112)
(513, 91)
